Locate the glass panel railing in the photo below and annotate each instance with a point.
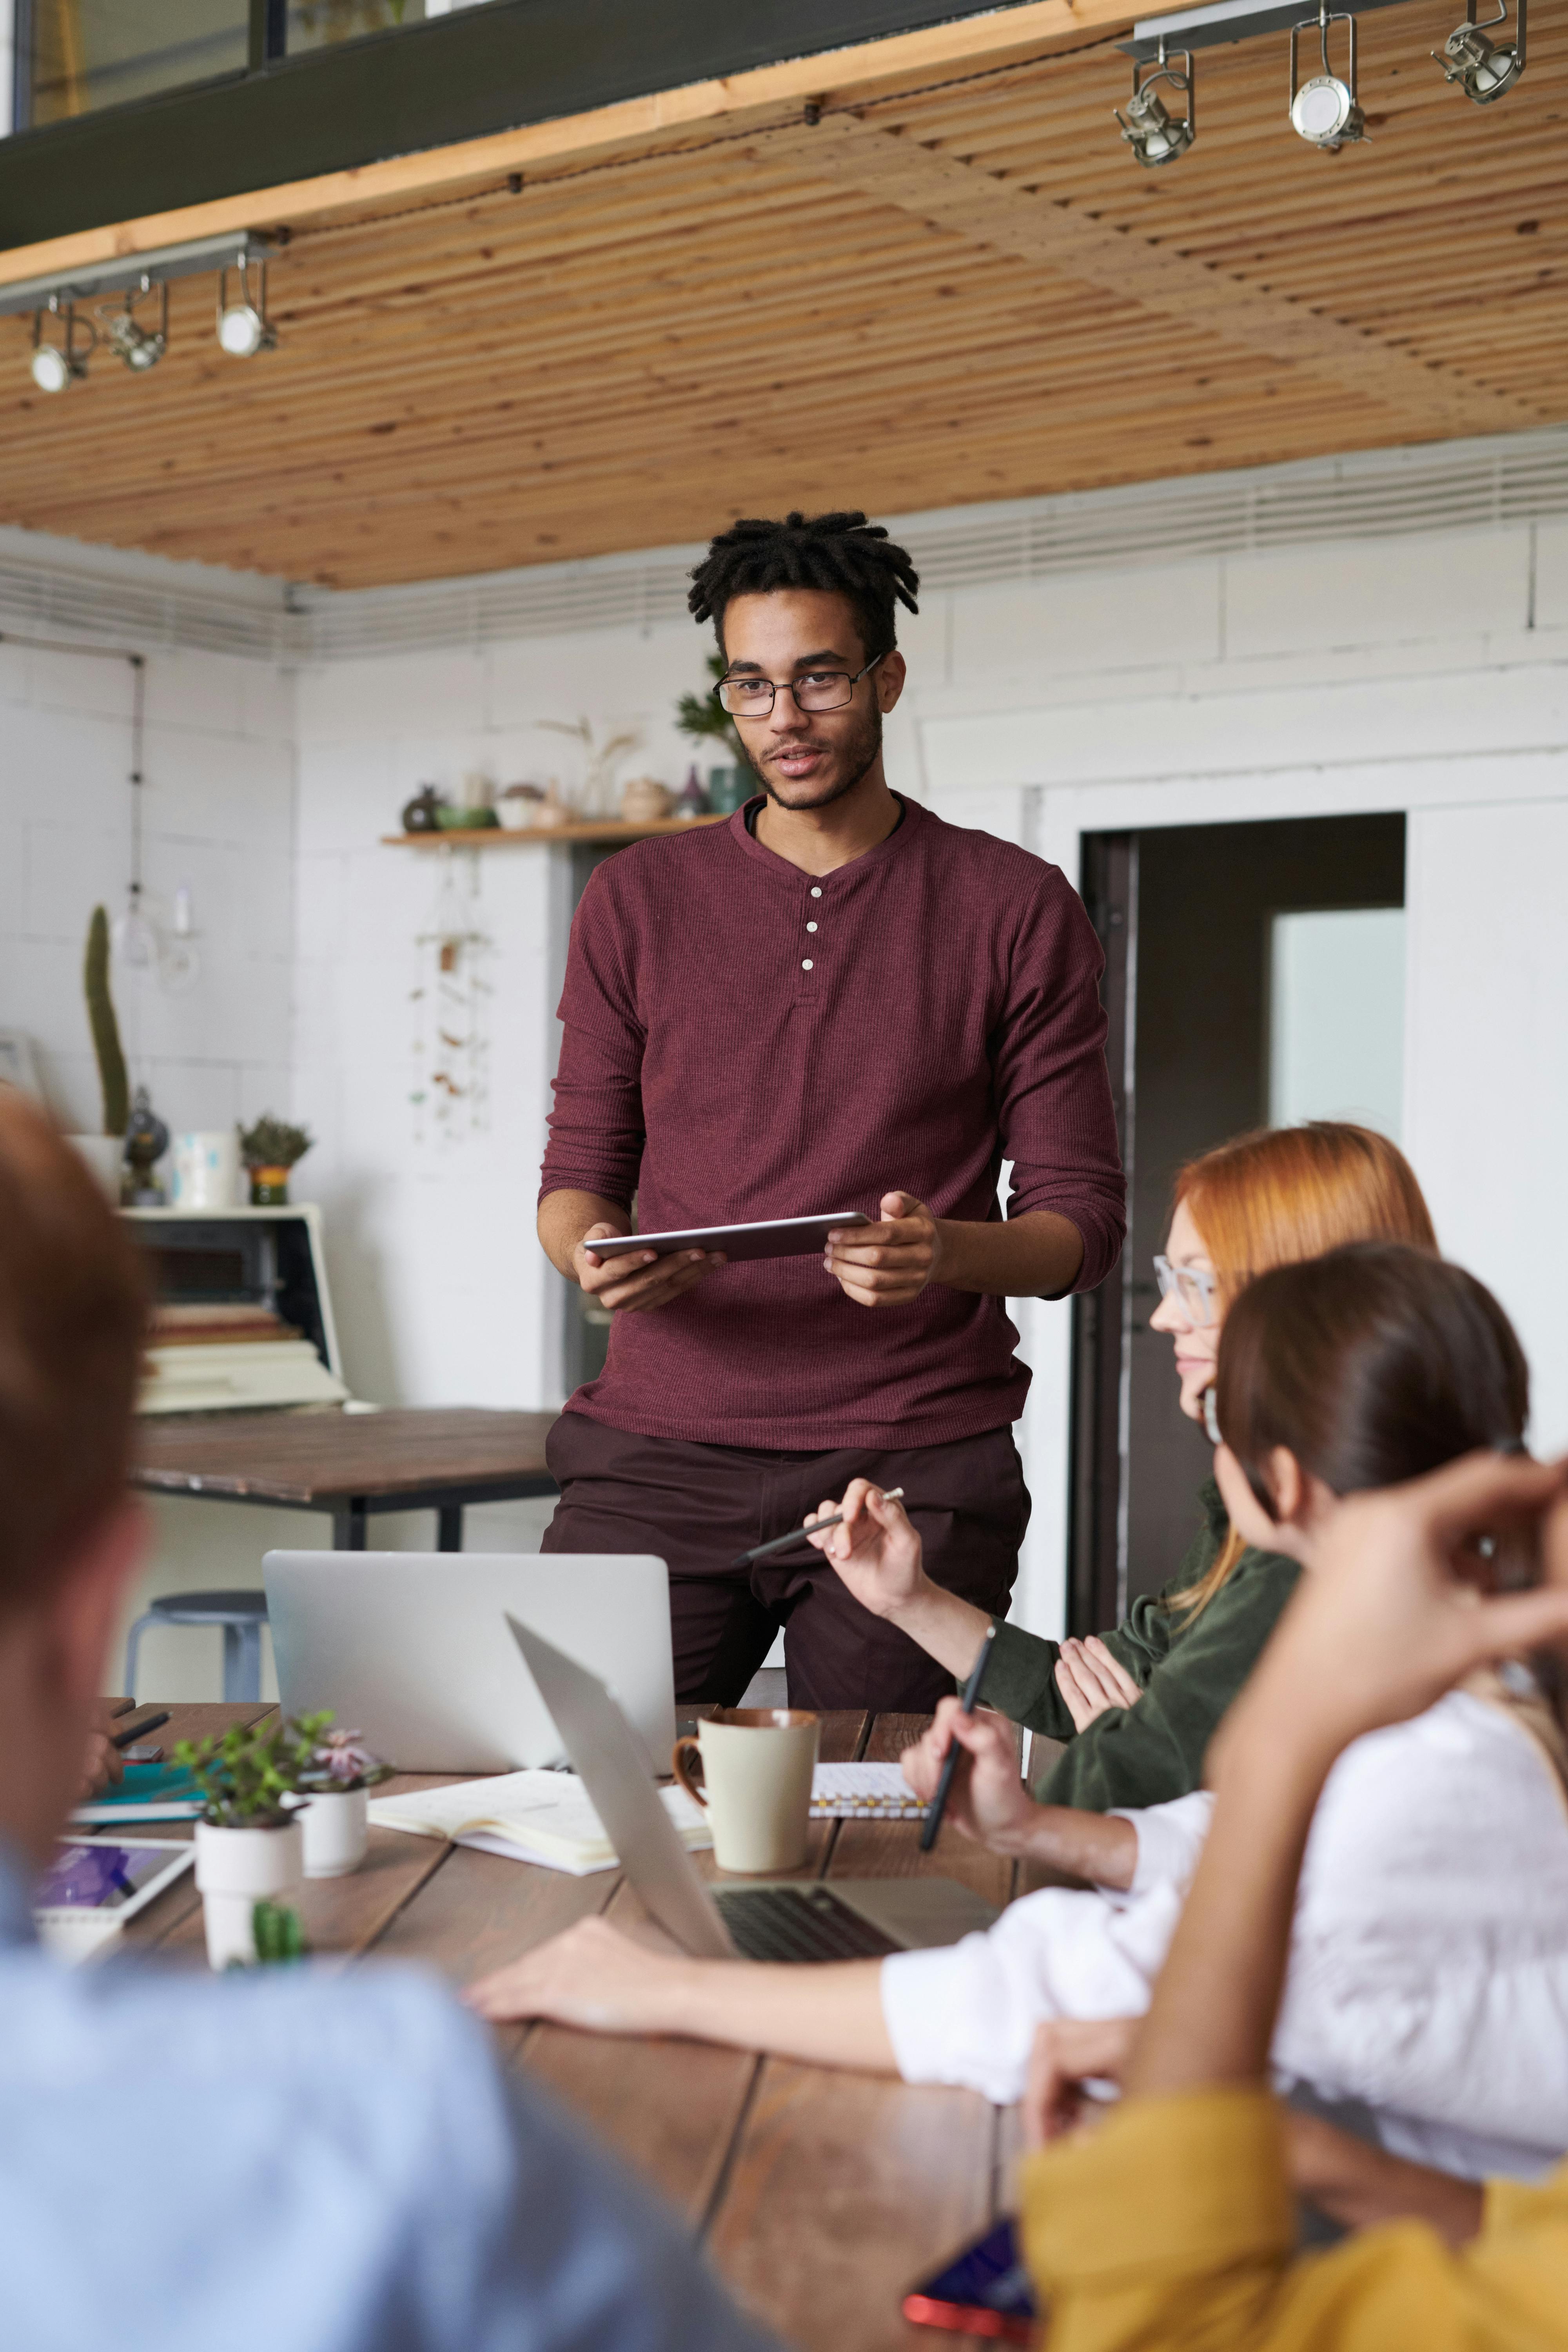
(92, 53)
(81, 55)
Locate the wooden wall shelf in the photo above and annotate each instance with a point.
(606, 831)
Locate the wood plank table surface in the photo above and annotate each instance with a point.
(349, 1465)
(822, 2195)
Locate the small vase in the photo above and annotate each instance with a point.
(235, 1870)
(336, 1829)
(269, 1188)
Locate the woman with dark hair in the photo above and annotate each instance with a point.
(1430, 1961)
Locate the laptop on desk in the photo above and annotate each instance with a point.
(778, 1920)
(410, 1649)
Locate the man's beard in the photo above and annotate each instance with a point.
(860, 754)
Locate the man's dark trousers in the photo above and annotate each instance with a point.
(698, 1506)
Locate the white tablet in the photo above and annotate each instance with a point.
(106, 1878)
(781, 1237)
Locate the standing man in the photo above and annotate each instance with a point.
(832, 1001)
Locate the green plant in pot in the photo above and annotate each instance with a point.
(338, 1779)
(703, 717)
(249, 1844)
(268, 1151)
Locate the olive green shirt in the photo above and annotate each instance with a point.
(1190, 1668)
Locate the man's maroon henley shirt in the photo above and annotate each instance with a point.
(746, 1041)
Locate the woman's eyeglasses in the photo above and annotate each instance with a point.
(1196, 1289)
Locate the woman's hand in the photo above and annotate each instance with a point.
(1392, 1615)
(988, 1801)
(1068, 2052)
(1091, 1681)
(591, 1976)
(875, 1550)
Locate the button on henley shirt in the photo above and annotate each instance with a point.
(727, 1063)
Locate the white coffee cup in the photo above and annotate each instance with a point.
(757, 1763)
(205, 1165)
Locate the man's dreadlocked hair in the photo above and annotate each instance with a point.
(841, 552)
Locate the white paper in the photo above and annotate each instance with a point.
(535, 1816)
(863, 1792)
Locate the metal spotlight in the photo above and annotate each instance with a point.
(127, 338)
(1483, 69)
(242, 326)
(1325, 110)
(1148, 127)
(57, 366)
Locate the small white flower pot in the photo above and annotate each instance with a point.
(337, 1832)
(235, 1870)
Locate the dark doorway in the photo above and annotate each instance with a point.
(1187, 919)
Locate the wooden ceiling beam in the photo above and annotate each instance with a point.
(957, 199)
(1027, 27)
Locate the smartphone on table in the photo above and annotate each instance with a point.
(983, 2292)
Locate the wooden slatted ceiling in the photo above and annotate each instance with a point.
(955, 294)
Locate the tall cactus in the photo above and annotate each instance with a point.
(111, 1076)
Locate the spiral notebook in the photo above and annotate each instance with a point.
(863, 1792)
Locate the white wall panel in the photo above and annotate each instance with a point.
(1487, 1073)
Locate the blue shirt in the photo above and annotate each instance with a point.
(328, 2163)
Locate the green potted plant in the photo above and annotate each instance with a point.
(268, 1151)
(337, 1779)
(249, 1843)
(702, 717)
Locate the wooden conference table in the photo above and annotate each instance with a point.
(822, 2196)
(349, 1465)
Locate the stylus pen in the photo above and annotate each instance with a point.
(139, 1730)
(950, 1761)
(812, 1527)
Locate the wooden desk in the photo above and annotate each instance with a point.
(350, 1464)
(822, 2195)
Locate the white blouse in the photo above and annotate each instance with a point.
(1428, 1974)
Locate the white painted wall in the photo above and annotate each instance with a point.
(218, 815)
(1423, 674)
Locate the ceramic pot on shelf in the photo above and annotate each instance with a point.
(645, 801)
(335, 1825)
(268, 1188)
(235, 1870)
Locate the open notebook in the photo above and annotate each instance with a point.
(536, 1816)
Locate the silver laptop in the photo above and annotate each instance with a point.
(778, 1920)
(410, 1648)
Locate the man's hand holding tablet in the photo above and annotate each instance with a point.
(631, 1282)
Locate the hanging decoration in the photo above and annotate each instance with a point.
(450, 1089)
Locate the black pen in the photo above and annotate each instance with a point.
(139, 1730)
(812, 1527)
(950, 1761)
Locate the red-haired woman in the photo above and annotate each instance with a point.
(1139, 1705)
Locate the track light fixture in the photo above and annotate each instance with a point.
(127, 338)
(1483, 69)
(1154, 135)
(57, 366)
(126, 327)
(242, 326)
(1325, 112)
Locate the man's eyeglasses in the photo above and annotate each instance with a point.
(818, 689)
(1195, 1288)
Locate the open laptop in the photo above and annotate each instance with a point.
(777, 1919)
(410, 1648)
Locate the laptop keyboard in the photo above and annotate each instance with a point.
(798, 1923)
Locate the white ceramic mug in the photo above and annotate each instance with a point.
(757, 1763)
(205, 1165)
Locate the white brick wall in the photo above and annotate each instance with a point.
(1425, 674)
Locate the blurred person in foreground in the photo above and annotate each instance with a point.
(1171, 2223)
(334, 2162)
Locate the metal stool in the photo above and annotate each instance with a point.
(242, 1616)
